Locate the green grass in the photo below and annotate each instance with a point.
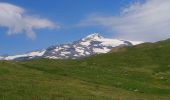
(136, 73)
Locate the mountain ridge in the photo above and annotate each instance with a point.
(87, 46)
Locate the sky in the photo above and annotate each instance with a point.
(27, 25)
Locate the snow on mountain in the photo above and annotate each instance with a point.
(90, 45)
(136, 42)
(1, 58)
(27, 55)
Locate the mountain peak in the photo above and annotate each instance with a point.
(89, 45)
(94, 36)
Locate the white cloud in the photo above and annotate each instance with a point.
(18, 21)
(148, 21)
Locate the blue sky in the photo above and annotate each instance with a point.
(72, 19)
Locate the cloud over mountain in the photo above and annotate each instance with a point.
(148, 21)
(18, 21)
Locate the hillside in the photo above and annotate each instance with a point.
(141, 72)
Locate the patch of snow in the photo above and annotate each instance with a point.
(87, 53)
(111, 42)
(31, 55)
(37, 53)
(52, 57)
(136, 42)
(62, 54)
(1, 58)
(14, 57)
(94, 36)
(79, 50)
(99, 50)
(66, 52)
(76, 55)
(87, 43)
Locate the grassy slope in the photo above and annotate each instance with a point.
(135, 73)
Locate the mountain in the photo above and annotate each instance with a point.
(140, 72)
(90, 45)
(1, 58)
(27, 56)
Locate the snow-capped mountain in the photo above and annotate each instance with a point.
(90, 45)
(26, 56)
(1, 58)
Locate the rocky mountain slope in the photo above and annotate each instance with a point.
(90, 45)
